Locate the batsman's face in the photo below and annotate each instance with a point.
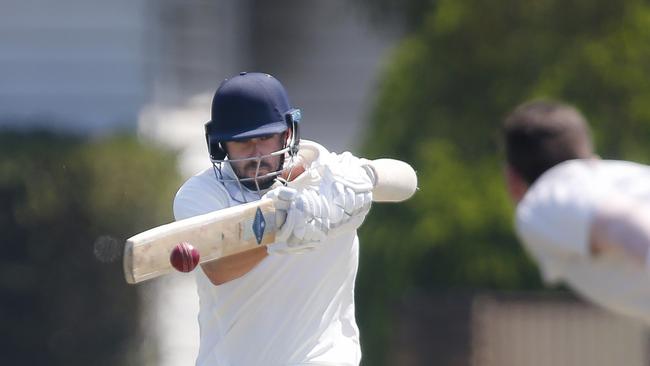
(259, 147)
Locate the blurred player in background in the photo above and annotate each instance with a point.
(291, 303)
(584, 220)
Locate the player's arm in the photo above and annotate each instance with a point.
(226, 269)
(621, 226)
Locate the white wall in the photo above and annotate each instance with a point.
(73, 65)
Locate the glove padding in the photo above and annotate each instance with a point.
(340, 204)
(352, 172)
(347, 183)
(306, 221)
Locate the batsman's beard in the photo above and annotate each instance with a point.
(254, 174)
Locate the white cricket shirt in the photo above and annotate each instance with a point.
(291, 309)
(553, 221)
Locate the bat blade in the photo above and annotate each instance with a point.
(216, 234)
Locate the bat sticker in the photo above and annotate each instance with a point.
(259, 224)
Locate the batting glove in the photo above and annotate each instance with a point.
(306, 221)
(347, 184)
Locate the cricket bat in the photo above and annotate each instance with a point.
(236, 229)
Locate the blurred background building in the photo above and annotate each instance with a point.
(83, 64)
(96, 67)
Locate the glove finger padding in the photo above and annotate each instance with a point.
(349, 171)
(351, 201)
(282, 197)
(335, 193)
(306, 220)
(355, 216)
(339, 204)
(344, 202)
(315, 207)
(367, 202)
(283, 200)
(307, 235)
(347, 184)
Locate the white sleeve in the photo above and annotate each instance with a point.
(197, 197)
(554, 218)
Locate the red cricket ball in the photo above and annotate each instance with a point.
(184, 257)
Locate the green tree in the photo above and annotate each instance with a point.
(439, 107)
(60, 196)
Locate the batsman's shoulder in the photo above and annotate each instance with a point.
(201, 181)
(200, 194)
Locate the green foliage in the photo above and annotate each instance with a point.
(440, 106)
(59, 195)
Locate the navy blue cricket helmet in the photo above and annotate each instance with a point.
(246, 106)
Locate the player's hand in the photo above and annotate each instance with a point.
(347, 184)
(306, 224)
(338, 204)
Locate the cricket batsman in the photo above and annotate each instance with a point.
(292, 302)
